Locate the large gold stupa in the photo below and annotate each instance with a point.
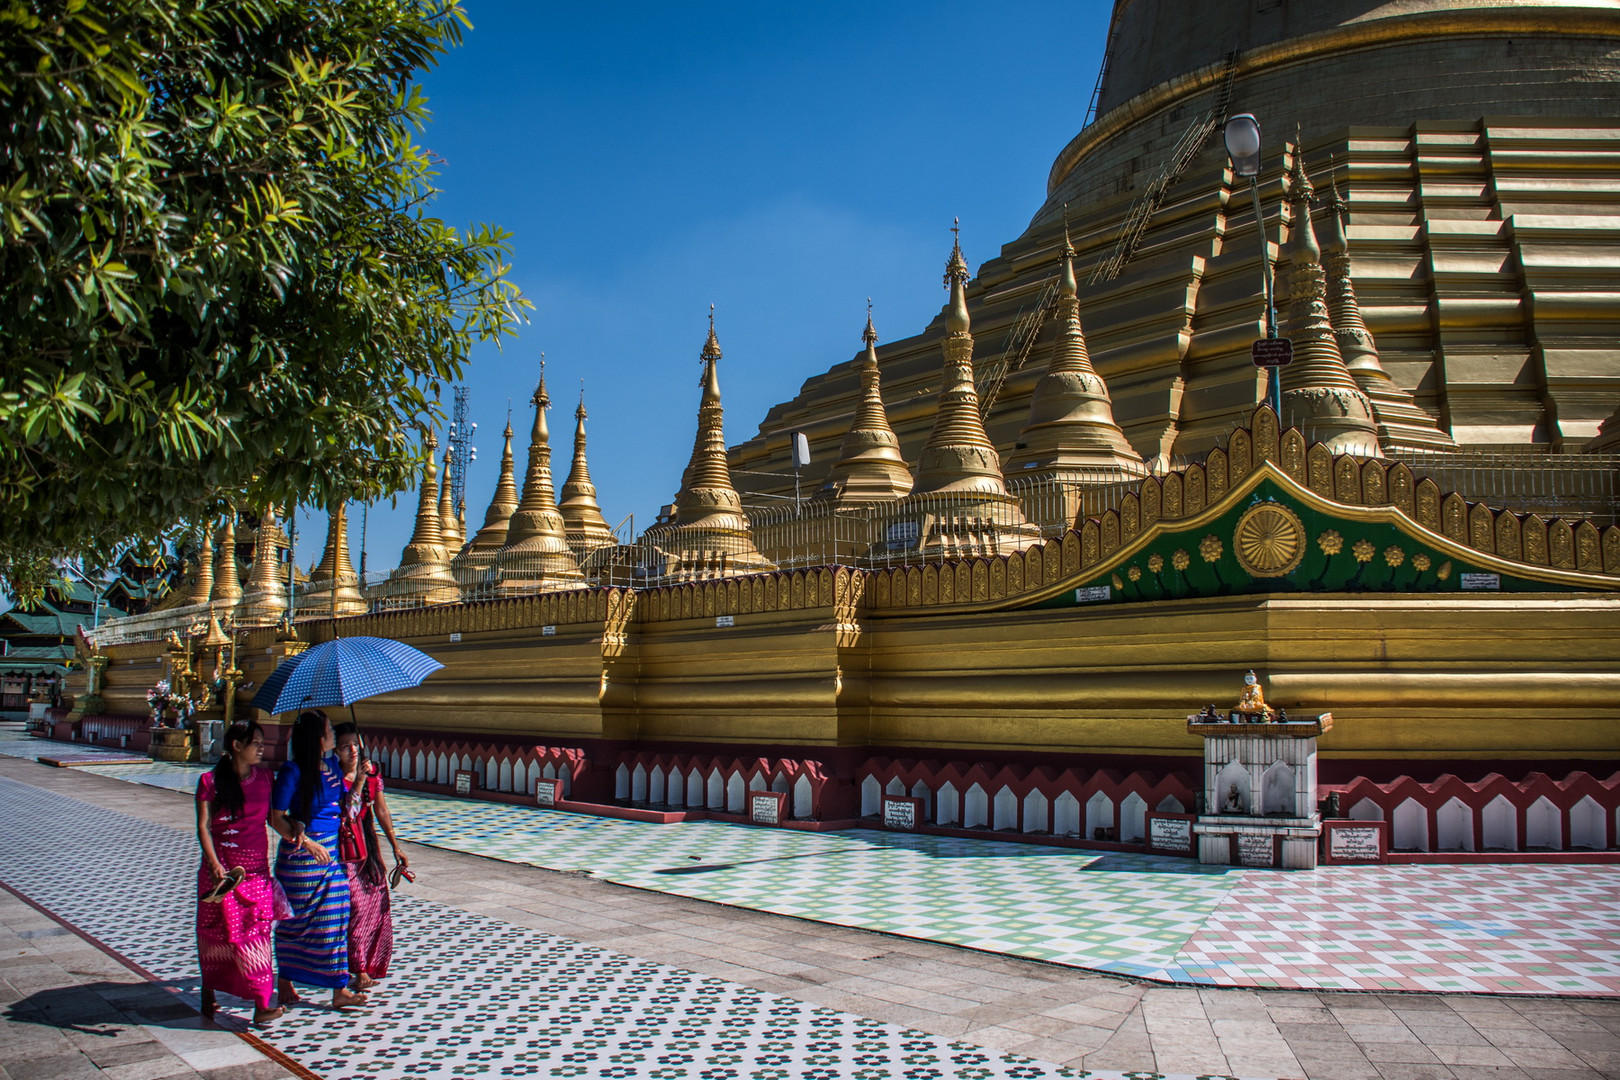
(1103, 525)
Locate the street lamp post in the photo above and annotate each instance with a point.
(1242, 137)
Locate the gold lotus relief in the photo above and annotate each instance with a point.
(1269, 540)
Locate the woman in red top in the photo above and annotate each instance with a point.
(233, 929)
(371, 921)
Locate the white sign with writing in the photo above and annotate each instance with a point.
(722, 621)
(1255, 849)
(1481, 581)
(1360, 845)
(464, 783)
(1171, 834)
(546, 792)
(456, 636)
(763, 810)
(900, 815)
(548, 631)
(904, 533)
(1093, 593)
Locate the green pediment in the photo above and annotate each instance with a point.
(1272, 535)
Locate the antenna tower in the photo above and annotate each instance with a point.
(462, 451)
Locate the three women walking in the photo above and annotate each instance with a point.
(329, 892)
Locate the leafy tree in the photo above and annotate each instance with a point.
(219, 279)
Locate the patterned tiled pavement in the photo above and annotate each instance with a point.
(1493, 929)
(583, 927)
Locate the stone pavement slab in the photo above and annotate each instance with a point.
(846, 969)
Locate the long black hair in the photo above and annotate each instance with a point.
(228, 796)
(359, 804)
(308, 732)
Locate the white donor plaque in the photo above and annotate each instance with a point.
(899, 815)
(764, 810)
(1481, 581)
(1171, 834)
(1254, 849)
(1360, 845)
(1093, 593)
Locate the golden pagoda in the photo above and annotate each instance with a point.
(1071, 435)
(586, 528)
(473, 565)
(1318, 394)
(971, 512)
(710, 535)
(536, 553)
(449, 523)
(202, 584)
(869, 466)
(264, 597)
(227, 575)
(423, 575)
(333, 585)
(1400, 421)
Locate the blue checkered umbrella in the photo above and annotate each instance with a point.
(341, 672)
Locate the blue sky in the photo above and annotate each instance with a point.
(781, 161)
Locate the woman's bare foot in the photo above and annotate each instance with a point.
(263, 1015)
(209, 1004)
(362, 981)
(343, 998)
(285, 991)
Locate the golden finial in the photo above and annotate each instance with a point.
(579, 413)
(957, 268)
(869, 335)
(1068, 248)
(540, 400)
(1299, 185)
(711, 347)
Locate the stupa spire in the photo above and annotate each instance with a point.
(710, 536)
(227, 577)
(869, 466)
(476, 558)
(1318, 395)
(583, 522)
(334, 586)
(449, 524)
(423, 574)
(959, 459)
(1071, 434)
(536, 551)
(1401, 422)
(265, 595)
(203, 586)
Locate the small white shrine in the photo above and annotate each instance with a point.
(1259, 804)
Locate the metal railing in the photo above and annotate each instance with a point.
(1524, 480)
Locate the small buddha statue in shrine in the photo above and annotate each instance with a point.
(1252, 705)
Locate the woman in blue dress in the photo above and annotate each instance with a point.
(312, 947)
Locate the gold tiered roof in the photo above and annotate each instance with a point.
(424, 575)
(449, 523)
(1071, 433)
(869, 466)
(586, 528)
(1318, 393)
(334, 586)
(202, 585)
(536, 552)
(710, 535)
(1400, 421)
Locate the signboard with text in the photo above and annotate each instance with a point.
(901, 813)
(767, 807)
(1272, 352)
(464, 781)
(1352, 841)
(547, 792)
(1170, 834)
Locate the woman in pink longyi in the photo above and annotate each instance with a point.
(233, 931)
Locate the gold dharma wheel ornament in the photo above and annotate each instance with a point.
(1269, 540)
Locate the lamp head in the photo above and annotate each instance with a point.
(1242, 137)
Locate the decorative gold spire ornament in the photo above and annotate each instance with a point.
(1071, 435)
(710, 536)
(334, 586)
(227, 577)
(264, 597)
(449, 524)
(1318, 394)
(975, 514)
(472, 566)
(536, 553)
(202, 586)
(423, 575)
(869, 466)
(583, 522)
(1401, 422)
